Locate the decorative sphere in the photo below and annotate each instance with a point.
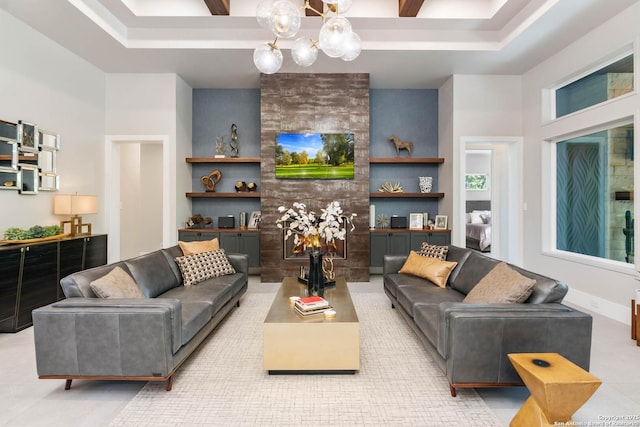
(352, 48)
(342, 5)
(285, 19)
(263, 13)
(267, 58)
(304, 52)
(333, 36)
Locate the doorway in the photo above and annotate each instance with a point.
(135, 194)
(491, 186)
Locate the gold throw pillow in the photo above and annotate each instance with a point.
(432, 269)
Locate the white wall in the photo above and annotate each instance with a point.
(472, 106)
(43, 83)
(156, 104)
(604, 289)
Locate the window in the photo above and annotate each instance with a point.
(608, 82)
(476, 181)
(594, 194)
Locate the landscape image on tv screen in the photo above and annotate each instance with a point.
(314, 155)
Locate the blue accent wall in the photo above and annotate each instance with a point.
(410, 114)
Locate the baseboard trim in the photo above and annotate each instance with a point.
(600, 306)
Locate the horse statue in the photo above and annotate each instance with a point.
(401, 145)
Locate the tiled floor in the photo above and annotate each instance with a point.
(28, 401)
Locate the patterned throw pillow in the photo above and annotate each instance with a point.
(116, 284)
(198, 267)
(434, 251)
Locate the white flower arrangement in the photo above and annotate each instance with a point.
(312, 231)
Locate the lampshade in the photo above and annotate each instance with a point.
(74, 204)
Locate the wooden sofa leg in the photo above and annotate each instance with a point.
(453, 390)
(67, 384)
(169, 383)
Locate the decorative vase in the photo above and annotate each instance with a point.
(426, 184)
(315, 283)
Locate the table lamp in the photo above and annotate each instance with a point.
(75, 205)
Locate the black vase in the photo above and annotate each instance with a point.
(315, 284)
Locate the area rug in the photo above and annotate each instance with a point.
(223, 383)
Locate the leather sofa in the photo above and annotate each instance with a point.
(86, 337)
(470, 341)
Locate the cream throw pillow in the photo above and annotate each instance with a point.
(116, 284)
(502, 285)
(197, 247)
(432, 269)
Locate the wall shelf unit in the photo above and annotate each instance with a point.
(418, 160)
(380, 195)
(223, 159)
(213, 194)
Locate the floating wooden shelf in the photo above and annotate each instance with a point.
(223, 160)
(213, 194)
(380, 195)
(407, 160)
(400, 230)
(219, 230)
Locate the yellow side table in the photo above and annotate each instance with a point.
(558, 388)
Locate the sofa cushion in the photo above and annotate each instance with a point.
(458, 255)
(434, 251)
(195, 314)
(475, 267)
(153, 274)
(215, 294)
(116, 284)
(431, 269)
(502, 285)
(411, 296)
(198, 267)
(197, 247)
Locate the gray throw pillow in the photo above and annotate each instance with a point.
(502, 285)
(116, 284)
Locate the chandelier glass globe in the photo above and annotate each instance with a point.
(285, 19)
(304, 52)
(263, 13)
(334, 35)
(267, 58)
(353, 47)
(341, 5)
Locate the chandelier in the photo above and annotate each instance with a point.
(283, 18)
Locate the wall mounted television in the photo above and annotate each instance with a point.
(315, 155)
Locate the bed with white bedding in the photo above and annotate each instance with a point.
(478, 225)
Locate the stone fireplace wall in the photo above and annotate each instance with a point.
(301, 103)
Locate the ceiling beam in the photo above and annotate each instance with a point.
(218, 7)
(409, 8)
(317, 5)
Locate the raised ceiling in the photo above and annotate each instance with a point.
(445, 37)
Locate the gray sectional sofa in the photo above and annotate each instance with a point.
(470, 341)
(148, 338)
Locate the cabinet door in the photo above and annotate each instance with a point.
(377, 248)
(10, 260)
(250, 245)
(192, 236)
(417, 238)
(440, 238)
(230, 242)
(398, 244)
(39, 280)
(71, 254)
(95, 251)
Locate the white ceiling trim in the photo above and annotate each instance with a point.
(233, 32)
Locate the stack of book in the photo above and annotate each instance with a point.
(311, 305)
